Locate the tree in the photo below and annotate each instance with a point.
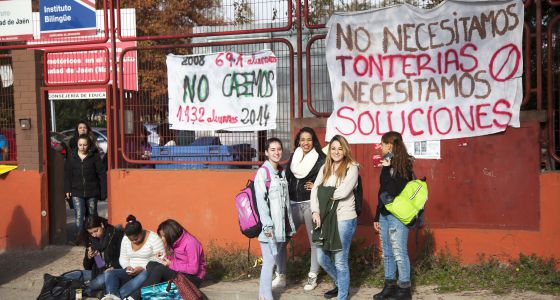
(243, 12)
(166, 18)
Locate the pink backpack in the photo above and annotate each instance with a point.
(247, 211)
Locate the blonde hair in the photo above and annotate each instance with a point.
(346, 160)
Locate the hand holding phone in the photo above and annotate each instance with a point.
(388, 156)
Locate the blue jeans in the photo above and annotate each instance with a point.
(269, 260)
(301, 213)
(128, 284)
(80, 209)
(98, 283)
(339, 270)
(394, 242)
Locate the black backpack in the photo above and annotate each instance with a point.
(359, 196)
(59, 287)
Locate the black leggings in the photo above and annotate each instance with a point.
(159, 273)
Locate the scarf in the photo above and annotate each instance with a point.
(301, 165)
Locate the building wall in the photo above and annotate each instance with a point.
(21, 224)
(23, 191)
(203, 202)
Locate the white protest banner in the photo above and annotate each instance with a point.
(449, 72)
(15, 20)
(225, 90)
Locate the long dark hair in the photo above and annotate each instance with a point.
(76, 134)
(93, 221)
(401, 161)
(132, 227)
(172, 231)
(314, 138)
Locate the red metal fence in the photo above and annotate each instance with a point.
(293, 30)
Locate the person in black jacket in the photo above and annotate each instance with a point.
(301, 172)
(85, 180)
(102, 251)
(395, 174)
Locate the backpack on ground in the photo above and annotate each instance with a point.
(59, 287)
(247, 211)
(409, 204)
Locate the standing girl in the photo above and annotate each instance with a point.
(303, 166)
(334, 213)
(271, 188)
(395, 174)
(85, 181)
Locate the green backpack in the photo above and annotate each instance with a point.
(410, 201)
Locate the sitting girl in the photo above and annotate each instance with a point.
(103, 247)
(138, 247)
(184, 255)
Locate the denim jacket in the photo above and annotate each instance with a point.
(274, 213)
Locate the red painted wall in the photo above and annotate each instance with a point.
(21, 224)
(487, 182)
(203, 202)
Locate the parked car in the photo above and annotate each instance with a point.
(59, 142)
(100, 134)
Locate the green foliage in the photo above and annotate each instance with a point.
(528, 273)
(69, 112)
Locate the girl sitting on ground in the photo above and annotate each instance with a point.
(138, 247)
(103, 247)
(183, 254)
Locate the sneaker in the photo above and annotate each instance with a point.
(279, 281)
(110, 297)
(311, 282)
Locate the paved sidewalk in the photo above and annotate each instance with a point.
(21, 277)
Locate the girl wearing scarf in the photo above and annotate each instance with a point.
(301, 172)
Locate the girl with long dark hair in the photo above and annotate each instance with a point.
(102, 252)
(301, 172)
(85, 181)
(395, 174)
(183, 254)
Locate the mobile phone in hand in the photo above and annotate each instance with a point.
(388, 156)
(99, 262)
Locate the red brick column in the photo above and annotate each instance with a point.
(27, 100)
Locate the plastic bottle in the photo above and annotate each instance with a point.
(78, 294)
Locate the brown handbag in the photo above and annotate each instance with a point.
(186, 288)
